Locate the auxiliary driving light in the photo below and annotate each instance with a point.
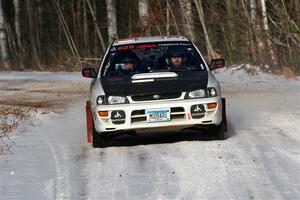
(211, 105)
(103, 113)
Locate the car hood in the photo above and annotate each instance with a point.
(154, 83)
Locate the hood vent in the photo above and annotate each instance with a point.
(154, 75)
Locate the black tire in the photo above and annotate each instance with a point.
(217, 131)
(100, 140)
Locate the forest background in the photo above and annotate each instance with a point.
(63, 35)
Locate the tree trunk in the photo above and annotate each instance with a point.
(230, 21)
(111, 20)
(39, 19)
(143, 15)
(85, 28)
(168, 18)
(66, 30)
(96, 25)
(257, 32)
(210, 52)
(19, 44)
(250, 43)
(173, 17)
(95, 35)
(17, 22)
(32, 34)
(187, 13)
(3, 39)
(267, 32)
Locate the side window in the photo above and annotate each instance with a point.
(194, 61)
(108, 68)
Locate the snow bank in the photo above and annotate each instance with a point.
(49, 76)
(249, 73)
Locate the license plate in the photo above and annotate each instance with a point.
(158, 115)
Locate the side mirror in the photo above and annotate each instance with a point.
(217, 64)
(89, 72)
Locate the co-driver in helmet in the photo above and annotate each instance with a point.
(176, 58)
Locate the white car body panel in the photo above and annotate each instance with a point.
(104, 124)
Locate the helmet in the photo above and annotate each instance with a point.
(123, 58)
(127, 60)
(175, 51)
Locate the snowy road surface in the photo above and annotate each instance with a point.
(260, 159)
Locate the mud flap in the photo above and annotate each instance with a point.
(224, 114)
(89, 122)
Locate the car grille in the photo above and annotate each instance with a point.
(153, 97)
(140, 116)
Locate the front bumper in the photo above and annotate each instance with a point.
(135, 117)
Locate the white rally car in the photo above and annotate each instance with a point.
(153, 84)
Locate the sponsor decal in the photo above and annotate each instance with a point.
(149, 45)
(115, 78)
(117, 117)
(197, 111)
(138, 46)
(174, 44)
(146, 46)
(125, 47)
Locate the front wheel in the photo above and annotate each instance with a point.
(217, 131)
(100, 140)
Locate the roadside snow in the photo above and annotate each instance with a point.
(260, 159)
(13, 119)
(49, 76)
(244, 74)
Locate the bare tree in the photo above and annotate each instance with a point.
(267, 32)
(210, 52)
(32, 34)
(230, 22)
(257, 31)
(66, 30)
(3, 39)
(17, 22)
(85, 27)
(96, 26)
(173, 17)
(143, 14)
(168, 18)
(187, 13)
(250, 43)
(19, 45)
(111, 19)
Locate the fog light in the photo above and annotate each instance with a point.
(211, 105)
(103, 113)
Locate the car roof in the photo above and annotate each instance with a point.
(136, 40)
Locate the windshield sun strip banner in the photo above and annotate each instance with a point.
(148, 45)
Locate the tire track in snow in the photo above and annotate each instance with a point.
(61, 183)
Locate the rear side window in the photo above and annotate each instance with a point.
(152, 57)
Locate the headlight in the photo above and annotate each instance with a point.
(212, 92)
(201, 93)
(116, 100)
(196, 94)
(100, 100)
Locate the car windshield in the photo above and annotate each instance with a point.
(152, 57)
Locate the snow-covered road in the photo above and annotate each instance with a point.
(260, 159)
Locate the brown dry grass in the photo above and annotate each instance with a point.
(21, 97)
(288, 73)
(10, 117)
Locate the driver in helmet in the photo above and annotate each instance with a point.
(176, 57)
(127, 63)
